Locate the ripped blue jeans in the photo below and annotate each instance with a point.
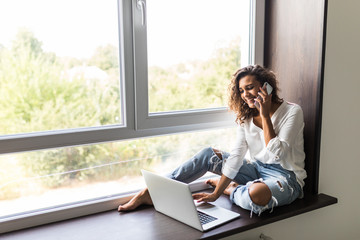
(281, 182)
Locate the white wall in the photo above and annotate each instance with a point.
(340, 141)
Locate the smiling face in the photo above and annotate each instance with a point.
(249, 88)
(244, 89)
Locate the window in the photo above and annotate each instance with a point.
(195, 51)
(78, 93)
(194, 54)
(53, 76)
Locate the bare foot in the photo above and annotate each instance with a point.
(228, 190)
(142, 197)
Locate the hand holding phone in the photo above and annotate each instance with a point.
(268, 89)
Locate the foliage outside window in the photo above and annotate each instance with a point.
(41, 91)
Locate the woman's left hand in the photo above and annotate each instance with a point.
(264, 106)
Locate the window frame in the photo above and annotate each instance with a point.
(135, 123)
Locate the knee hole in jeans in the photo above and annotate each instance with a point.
(260, 193)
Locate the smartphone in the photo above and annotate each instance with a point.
(268, 88)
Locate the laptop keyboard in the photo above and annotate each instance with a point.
(204, 218)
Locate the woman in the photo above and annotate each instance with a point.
(271, 130)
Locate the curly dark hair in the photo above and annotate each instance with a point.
(237, 104)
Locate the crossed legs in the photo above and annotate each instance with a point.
(259, 192)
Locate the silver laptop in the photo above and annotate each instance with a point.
(174, 199)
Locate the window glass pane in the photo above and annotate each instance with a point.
(59, 65)
(41, 179)
(194, 47)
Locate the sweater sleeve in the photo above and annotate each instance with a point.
(237, 154)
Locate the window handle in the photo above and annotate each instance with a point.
(141, 6)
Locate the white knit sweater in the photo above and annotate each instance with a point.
(286, 149)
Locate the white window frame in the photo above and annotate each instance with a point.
(136, 124)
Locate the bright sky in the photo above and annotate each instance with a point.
(188, 29)
(177, 30)
(66, 27)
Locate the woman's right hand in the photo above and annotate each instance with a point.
(205, 197)
(219, 189)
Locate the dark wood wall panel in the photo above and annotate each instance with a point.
(294, 44)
